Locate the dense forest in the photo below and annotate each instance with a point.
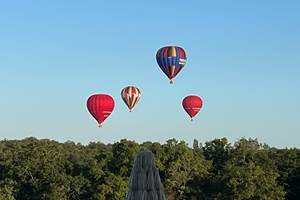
(45, 169)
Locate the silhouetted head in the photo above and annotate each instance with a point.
(144, 182)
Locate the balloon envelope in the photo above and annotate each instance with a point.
(100, 106)
(130, 95)
(192, 105)
(171, 59)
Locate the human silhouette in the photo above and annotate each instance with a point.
(144, 182)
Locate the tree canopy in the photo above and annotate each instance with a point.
(246, 170)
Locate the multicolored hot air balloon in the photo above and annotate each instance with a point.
(130, 95)
(100, 106)
(171, 60)
(192, 105)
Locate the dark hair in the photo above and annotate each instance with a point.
(144, 182)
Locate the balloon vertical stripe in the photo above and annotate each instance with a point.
(192, 105)
(130, 96)
(171, 60)
(100, 106)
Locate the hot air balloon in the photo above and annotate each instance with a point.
(171, 60)
(130, 95)
(100, 106)
(192, 105)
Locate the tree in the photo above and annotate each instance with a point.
(123, 154)
(182, 164)
(249, 173)
(32, 169)
(113, 188)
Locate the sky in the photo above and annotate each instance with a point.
(243, 60)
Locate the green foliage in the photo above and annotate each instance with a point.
(7, 189)
(182, 164)
(33, 169)
(250, 173)
(123, 154)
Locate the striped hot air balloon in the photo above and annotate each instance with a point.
(192, 105)
(171, 59)
(130, 95)
(100, 106)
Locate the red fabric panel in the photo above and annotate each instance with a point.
(100, 106)
(192, 105)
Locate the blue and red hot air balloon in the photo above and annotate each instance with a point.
(171, 60)
(100, 106)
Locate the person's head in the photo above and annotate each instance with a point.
(144, 182)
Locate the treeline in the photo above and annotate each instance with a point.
(48, 170)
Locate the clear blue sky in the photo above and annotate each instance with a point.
(243, 60)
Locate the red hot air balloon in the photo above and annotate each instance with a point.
(192, 105)
(171, 60)
(100, 106)
(130, 96)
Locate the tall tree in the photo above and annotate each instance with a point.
(182, 164)
(250, 173)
